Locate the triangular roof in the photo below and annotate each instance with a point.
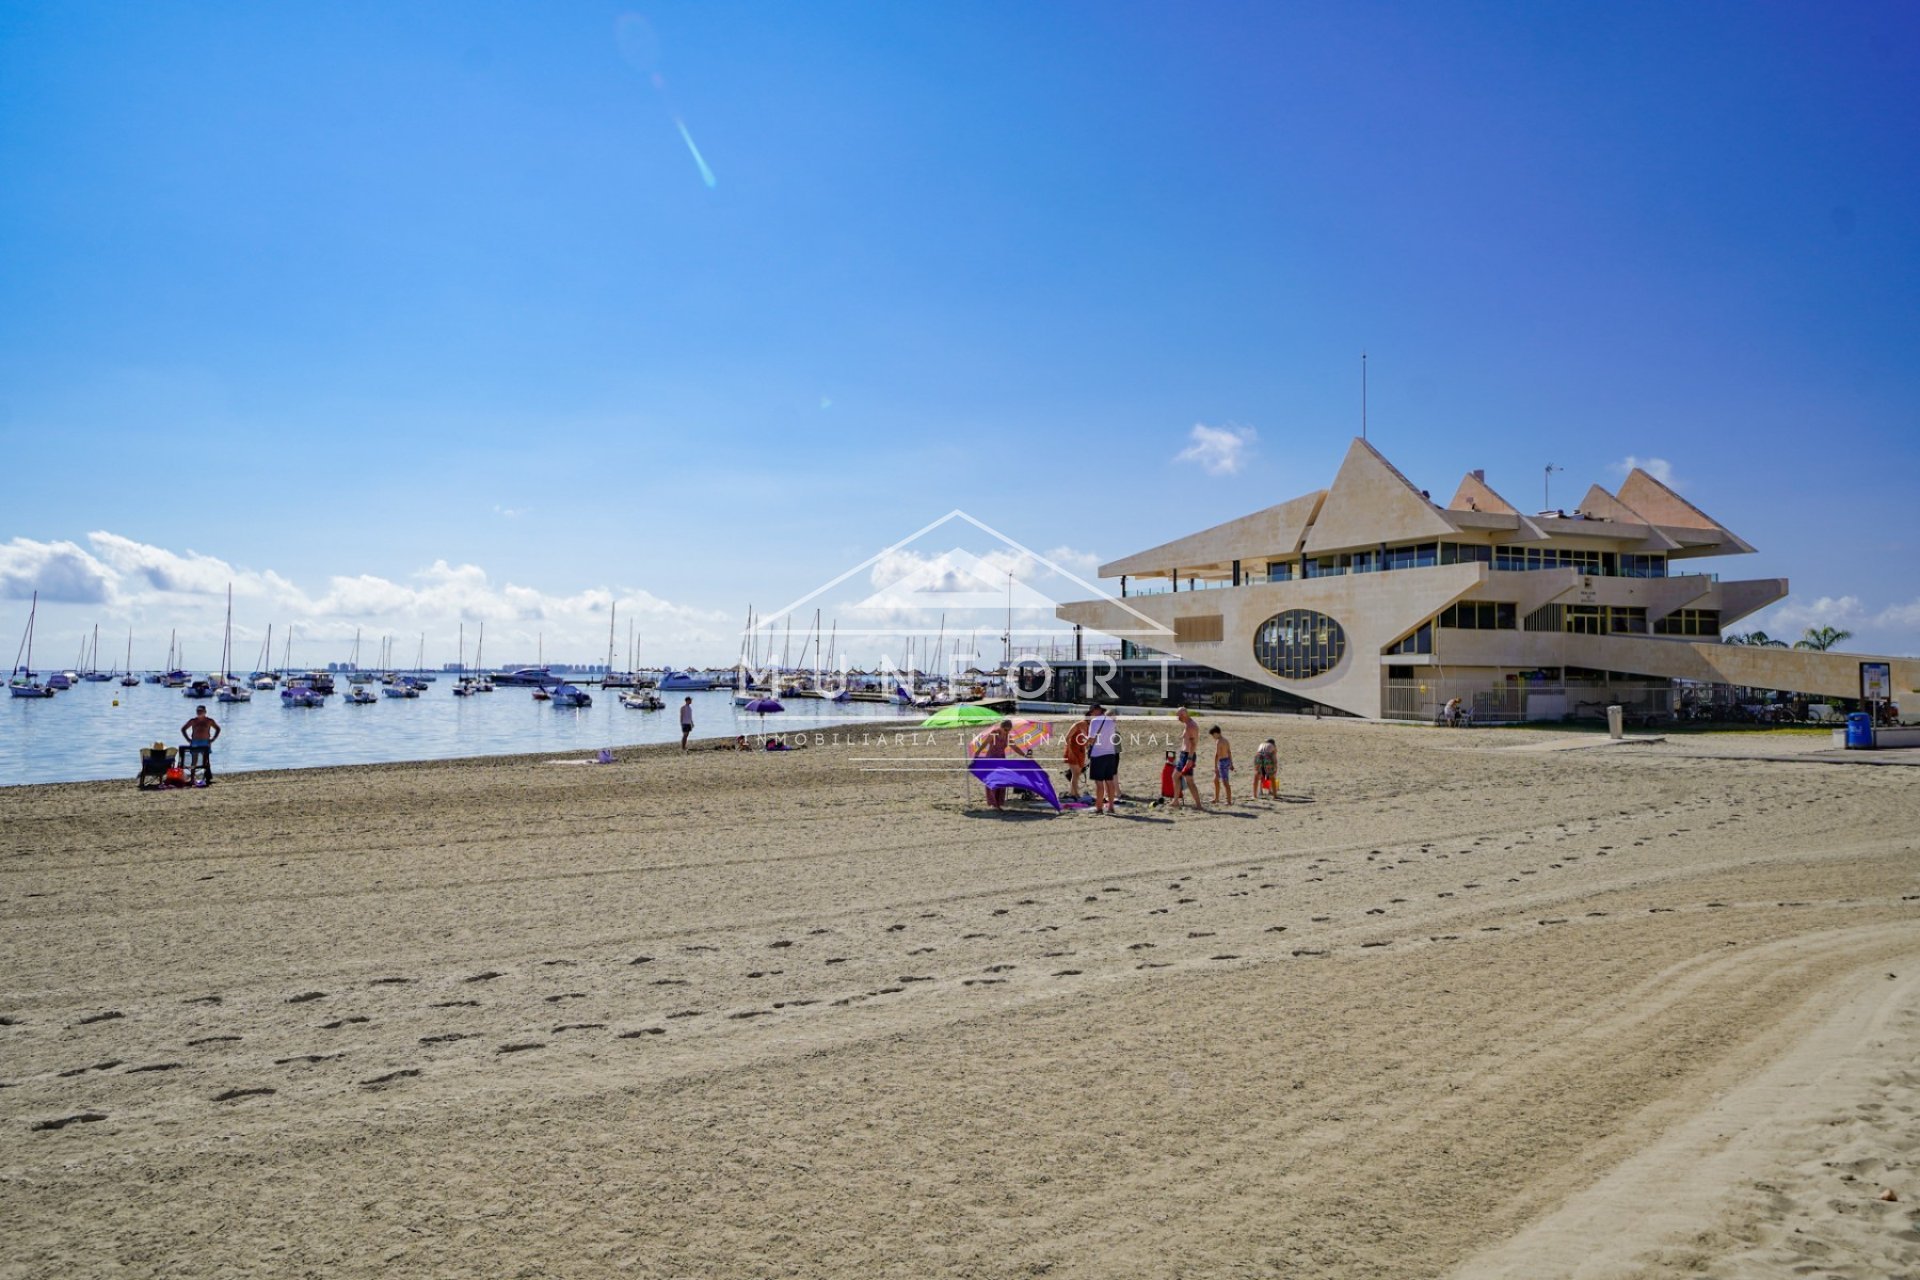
(1659, 504)
(1475, 494)
(1599, 502)
(1274, 531)
(1371, 502)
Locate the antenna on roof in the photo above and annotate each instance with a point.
(1546, 487)
(1363, 395)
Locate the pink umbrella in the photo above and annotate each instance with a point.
(1024, 736)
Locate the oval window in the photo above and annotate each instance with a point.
(1299, 644)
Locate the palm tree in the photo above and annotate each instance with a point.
(1821, 639)
(1758, 639)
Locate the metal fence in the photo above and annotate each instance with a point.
(1518, 701)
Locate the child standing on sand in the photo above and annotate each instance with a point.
(1222, 764)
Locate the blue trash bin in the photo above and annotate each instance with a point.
(1859, 730)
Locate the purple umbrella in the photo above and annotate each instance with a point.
(764, 707)
(1027, 775)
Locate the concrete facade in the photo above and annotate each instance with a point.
(1370, 598)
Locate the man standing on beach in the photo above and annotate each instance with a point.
(200, 733)
(1103, 760)
(1189, 753)
(686, 721)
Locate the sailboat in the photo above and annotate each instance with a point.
(22, 683)
(483, 680)
(129, 680)
(264, 679)
(93, 671)
(230, 689)
(463, 687)
(619, 679)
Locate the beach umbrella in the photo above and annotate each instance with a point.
(1026, 775)
(764, 707)
(1025, 736)
(960, 716)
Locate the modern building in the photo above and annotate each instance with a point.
(1371, 598)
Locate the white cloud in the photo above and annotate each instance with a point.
(1788, 619)
(1084, 563)
(1905, 616)
(1220, 451)
(159, 589)
(1659, 468)
(58, 571)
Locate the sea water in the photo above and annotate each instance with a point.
(95, 731)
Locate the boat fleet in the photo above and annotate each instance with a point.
(755, 681)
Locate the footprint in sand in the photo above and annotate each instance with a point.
(1153, 964)
(191, 1044)
(1139, 946)
(644, 1031)
(307, 1057)
(1067, 973)
(671, 982)
(396, 982)
(85, 1117)
(1275, 928)
(455, 1004)
(486, 976)
(202, 1000)
(234, 1095)
(154, 1066)
(687, 1013)
(404, 1073)
(448, 1038)
(520, 1048)
(775, 946)
(567, 995)
(305, 996)
(641, 960)
(571, 964)
(108, 1016)
(98, 1066)
(338, 1023)
(580, 1026)
(836, 960)
(1006, 968)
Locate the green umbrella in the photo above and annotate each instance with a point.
(961, 715)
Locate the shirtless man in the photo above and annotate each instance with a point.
(200, 733)
(1222, 764)
(1184, 762)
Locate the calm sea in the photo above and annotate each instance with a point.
(95, 731)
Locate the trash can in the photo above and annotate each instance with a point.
(1859, 731)
(1616, 721)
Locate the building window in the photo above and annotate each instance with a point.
(1417, 641)
(1478, 615)
(1279, 571)
(1689, 622)
(1298, 644)
(1632, 566)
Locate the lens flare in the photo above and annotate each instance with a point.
(706, 174)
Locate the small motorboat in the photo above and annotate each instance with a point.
(199, 687)
(568, 695)
(300, 695)
(541, 695)
(642, 700)
(234, 691)
(399, 690)
(359, 695)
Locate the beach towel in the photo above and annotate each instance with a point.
(1027, 775)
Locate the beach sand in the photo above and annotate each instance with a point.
(1483, 1003)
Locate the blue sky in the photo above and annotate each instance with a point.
(399, 314)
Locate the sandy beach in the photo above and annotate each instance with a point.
(1483, 1003)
